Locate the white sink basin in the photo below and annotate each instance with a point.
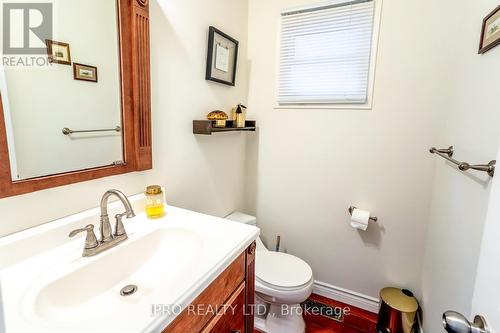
(73, 287)
(170, 260)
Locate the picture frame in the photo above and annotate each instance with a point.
(58, 52)
(83, 72)
(222, 58)
(490, 32)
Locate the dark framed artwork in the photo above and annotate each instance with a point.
(58, 52)
(222, 57)
(84, 72)
(490, 33)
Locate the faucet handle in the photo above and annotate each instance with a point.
(91, 240)
(119, 228)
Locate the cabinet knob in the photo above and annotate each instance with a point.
(235, 331)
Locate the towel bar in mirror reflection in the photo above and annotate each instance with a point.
(67, 131)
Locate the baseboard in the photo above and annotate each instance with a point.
(346, 296)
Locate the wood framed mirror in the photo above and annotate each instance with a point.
(131, 79)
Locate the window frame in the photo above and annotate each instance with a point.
(368, 105)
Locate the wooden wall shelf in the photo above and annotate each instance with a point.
(205, 127)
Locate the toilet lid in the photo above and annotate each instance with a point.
(281, 269)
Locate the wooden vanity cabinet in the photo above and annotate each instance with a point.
(226, 306)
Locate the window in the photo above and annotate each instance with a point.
(326, 54)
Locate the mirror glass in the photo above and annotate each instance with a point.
(62, 103)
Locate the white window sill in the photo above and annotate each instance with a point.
(324, 107)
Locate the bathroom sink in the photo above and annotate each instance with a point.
(77, 286)
(47, 286)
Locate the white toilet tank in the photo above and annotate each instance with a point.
(250, 220)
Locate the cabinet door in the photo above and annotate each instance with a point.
(231, 317)
(219, 292)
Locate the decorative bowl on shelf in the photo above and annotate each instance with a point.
(218, 118)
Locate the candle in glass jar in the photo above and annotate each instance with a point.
(155, 201)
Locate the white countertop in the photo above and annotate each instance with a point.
(46, 286)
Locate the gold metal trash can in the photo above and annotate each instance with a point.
(398, 311)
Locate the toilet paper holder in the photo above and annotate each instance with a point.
(372, 218)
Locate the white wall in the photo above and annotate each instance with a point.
(459, 205)
(431, 89)
(200, 173)
(45, 100)
(311, 165)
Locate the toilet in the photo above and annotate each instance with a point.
(282, 282)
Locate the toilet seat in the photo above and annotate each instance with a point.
(282, 281)
(282, 271)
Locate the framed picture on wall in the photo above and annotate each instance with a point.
(490, 34)
(84, 72)
(222, 57)
(58, 52)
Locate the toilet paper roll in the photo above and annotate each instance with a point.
(360, 219)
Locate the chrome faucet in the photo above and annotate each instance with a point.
(108, 239)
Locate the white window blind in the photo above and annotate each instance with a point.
(325, 54)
